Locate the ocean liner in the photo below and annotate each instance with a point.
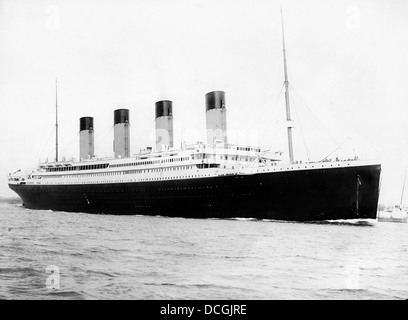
(215, 179)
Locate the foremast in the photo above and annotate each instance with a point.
(56, 120)
(287, 98)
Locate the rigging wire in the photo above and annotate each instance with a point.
(302, 135)
(403, 188)
(259, 112)
(310, 110)
(69, 145)
(108, 132)
(338, 148)
(352, 146)
(45, 145)
(356, 127)
(327, 131)
(63, 145)
(273, 109)
(339, 145)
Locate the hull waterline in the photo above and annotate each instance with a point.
(305, 195)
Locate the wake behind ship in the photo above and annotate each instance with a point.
(215, 179)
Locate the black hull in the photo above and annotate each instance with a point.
(304, 195)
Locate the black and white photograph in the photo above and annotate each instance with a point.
(216, 152)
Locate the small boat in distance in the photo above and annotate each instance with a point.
(396, 213)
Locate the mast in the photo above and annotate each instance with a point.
(56, 120)
(288, 116)
(403, 188)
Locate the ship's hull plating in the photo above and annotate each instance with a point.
(304, 195)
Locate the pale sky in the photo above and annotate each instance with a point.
(347, 60)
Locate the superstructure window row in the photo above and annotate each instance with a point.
(248, 149)
(79, 168)
(148, 162)
(101, 174)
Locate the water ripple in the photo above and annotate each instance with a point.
(138, 257)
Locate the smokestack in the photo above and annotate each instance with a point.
(86, 138)
(121, 144)
(216, 117)
(164, 125)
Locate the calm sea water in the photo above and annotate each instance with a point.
(135, 257)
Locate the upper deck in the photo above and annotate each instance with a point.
(188, 162)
